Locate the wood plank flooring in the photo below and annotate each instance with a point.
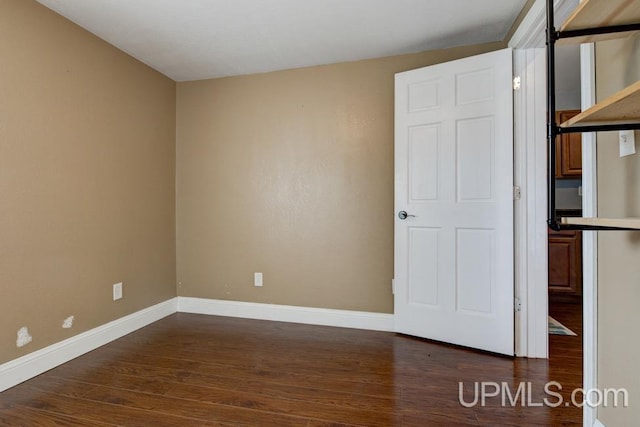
(193, 370)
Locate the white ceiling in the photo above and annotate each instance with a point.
(198, 39)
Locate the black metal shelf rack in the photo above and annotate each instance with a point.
(554, 129)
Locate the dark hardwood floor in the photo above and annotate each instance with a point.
(193, 370)
(567, 347)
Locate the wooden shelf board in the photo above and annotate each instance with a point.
(603, 222)
(621, 107)
(602, 13)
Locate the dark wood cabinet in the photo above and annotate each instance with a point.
(565, 265)
(568, 149)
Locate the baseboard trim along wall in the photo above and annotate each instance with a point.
(23, 368)
(33, 364)
(288, 313)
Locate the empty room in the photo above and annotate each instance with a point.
(319, 212)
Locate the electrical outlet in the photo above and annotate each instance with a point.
(257, 279)
(117, 291)
(627, 142)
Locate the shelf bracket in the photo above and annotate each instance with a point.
(596, 128)
(596, 31)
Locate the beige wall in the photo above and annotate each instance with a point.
(290, 173)
(618, 65)
(87, 161)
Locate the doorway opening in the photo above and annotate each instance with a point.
(565, 264)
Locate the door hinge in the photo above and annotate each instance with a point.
(517, 305)
(516, 83)
(393, 286)
(517, 192)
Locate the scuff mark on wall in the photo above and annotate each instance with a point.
(23, 337)
(68, 322)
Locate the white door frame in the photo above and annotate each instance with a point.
(530, 174)
(589, 238)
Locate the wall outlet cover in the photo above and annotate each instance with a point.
(117, 291)
(257, 279)
(24, 337)
(627, 142)
(68, 322)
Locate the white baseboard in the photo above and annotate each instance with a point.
(18, 370)
(288, 313)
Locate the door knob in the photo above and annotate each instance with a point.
(404, 215)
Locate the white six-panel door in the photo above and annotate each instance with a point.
(454, 180)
